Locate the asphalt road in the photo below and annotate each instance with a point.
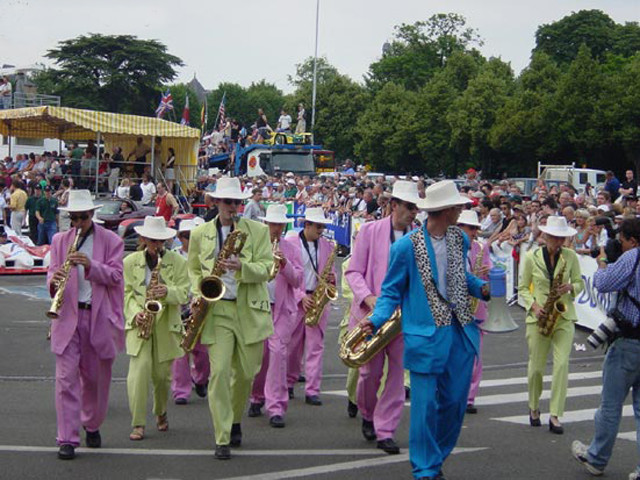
(318, 442)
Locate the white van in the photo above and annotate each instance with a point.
(577, 177)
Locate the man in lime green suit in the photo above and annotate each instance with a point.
(151, 358)
(237, 325)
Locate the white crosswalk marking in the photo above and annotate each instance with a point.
(503, 382)
(568, 417)
(519, 397)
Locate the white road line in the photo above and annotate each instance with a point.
(627, 436)
(501, 382)
(504, 398)
(568, 417)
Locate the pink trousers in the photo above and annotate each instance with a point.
(310, 341)
(477, 373)
(183, 375)
(82, 385)
(386, 411)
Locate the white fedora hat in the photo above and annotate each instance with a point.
(276, 214)
(79, 201)
(315, 215)
(155, 228)
(189, 224)
(442, 195)
(557, 227)
(229, 187)
(469, 217)
(406, 191)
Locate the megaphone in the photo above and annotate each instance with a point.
(499, 319)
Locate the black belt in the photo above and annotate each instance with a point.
(84, 306)
(310, 291)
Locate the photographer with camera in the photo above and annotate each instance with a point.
(621, 369)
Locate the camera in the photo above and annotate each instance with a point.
(613, 248)
(605, 332)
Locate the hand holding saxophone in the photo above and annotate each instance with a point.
(232, 263)
(79, 258)
(307, 302)
(370, 302)
(158, 291)
(366, 326)
(140, 319)
(565, 288)
(58, 277)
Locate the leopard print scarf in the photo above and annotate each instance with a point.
(457, 291)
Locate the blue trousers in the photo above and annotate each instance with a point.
(46, 231)
(620, 373)
(438, 403)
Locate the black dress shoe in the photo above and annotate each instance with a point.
(313, 400)
(236, 435)
(66, 452)
(223, 452)
(291, 394)
(201, 389)
(440, 476)
(472, 409)
(367, 430)
(557, 429)
(352, 409)
(301, 379)
(407, 393)
(389, 446)
(181, 401)
(534, 422)
(255, 410)
(276, 421)
(93, 439)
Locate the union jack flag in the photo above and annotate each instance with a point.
(166, 104)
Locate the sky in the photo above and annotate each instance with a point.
(249, 40)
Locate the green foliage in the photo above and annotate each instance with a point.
(115, 73)
(179, 94)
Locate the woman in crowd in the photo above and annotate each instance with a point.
(579, 240)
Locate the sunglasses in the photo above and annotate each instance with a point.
(229, 201)
(78, 216)
(408, 205)
(186, 235)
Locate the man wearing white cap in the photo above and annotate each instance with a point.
(270, 385)
(183, 377)
(313, 250)
(236, 326)
(478, 263)
(367, 269)
(427, 278)
(151, 358)
(89, 330)
(540, 267)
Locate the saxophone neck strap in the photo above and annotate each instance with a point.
(84, 237)
(219, 229)
(305, 243)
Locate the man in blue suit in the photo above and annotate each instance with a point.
(427, 278)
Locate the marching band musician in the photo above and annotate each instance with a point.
(88, 333)
(151, 358)
(236, 326)
(541, 267)
(314, 251)
(367, 269)
(270, 385)
(470, 225)
(427, 277)
(182, 375)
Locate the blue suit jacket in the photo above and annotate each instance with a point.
(426, 346)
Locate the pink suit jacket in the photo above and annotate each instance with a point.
(368, 265)
(324, 250)
(483, 309)
(107, 287)
(289, 279)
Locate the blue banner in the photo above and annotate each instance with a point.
(339, 230)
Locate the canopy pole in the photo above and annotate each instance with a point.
(153, 157)
(97, 161)
(9, 139)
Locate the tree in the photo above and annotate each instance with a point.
(179, 94)
(116, 73)
(304, 72)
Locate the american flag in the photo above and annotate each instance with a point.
(221, 111)
(166, 104)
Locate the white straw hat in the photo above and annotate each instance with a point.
(469, 217)
(405, 191)
(276, 214)
(189, 224)
(155, 228)
(557, 227)
(315, 215)
(442, 195)
(229, 187)
(79, 201)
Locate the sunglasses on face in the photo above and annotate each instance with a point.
(186, 235)
(409, 205)
(78, 216)
(229, 201)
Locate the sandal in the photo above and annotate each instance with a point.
(137, 433)
(162, 422)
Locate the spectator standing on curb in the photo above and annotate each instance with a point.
(47, 213)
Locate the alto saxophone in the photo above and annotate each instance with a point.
(356, 350)
(476, 268)
(58, 298)
(152, 307)
(212, 289)
(323, 293)
(553, 307)
(275, 267)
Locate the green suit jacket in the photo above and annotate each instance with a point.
(167, 329)
(254, 307)
(535, 283)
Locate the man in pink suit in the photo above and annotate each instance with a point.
(89, 330)
(270, 385)
(313, 250)
(469, 223)
(367, 269)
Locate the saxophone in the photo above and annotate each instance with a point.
(58, 298)
(212, 289)
(323, 293)
(356, 350)
(152, 307)
(275, 268)
(553, 307)
(476, 268)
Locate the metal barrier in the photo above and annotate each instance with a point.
(21, 100)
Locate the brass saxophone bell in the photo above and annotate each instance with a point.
(212, 288)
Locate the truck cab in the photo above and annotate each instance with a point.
(575, 176)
